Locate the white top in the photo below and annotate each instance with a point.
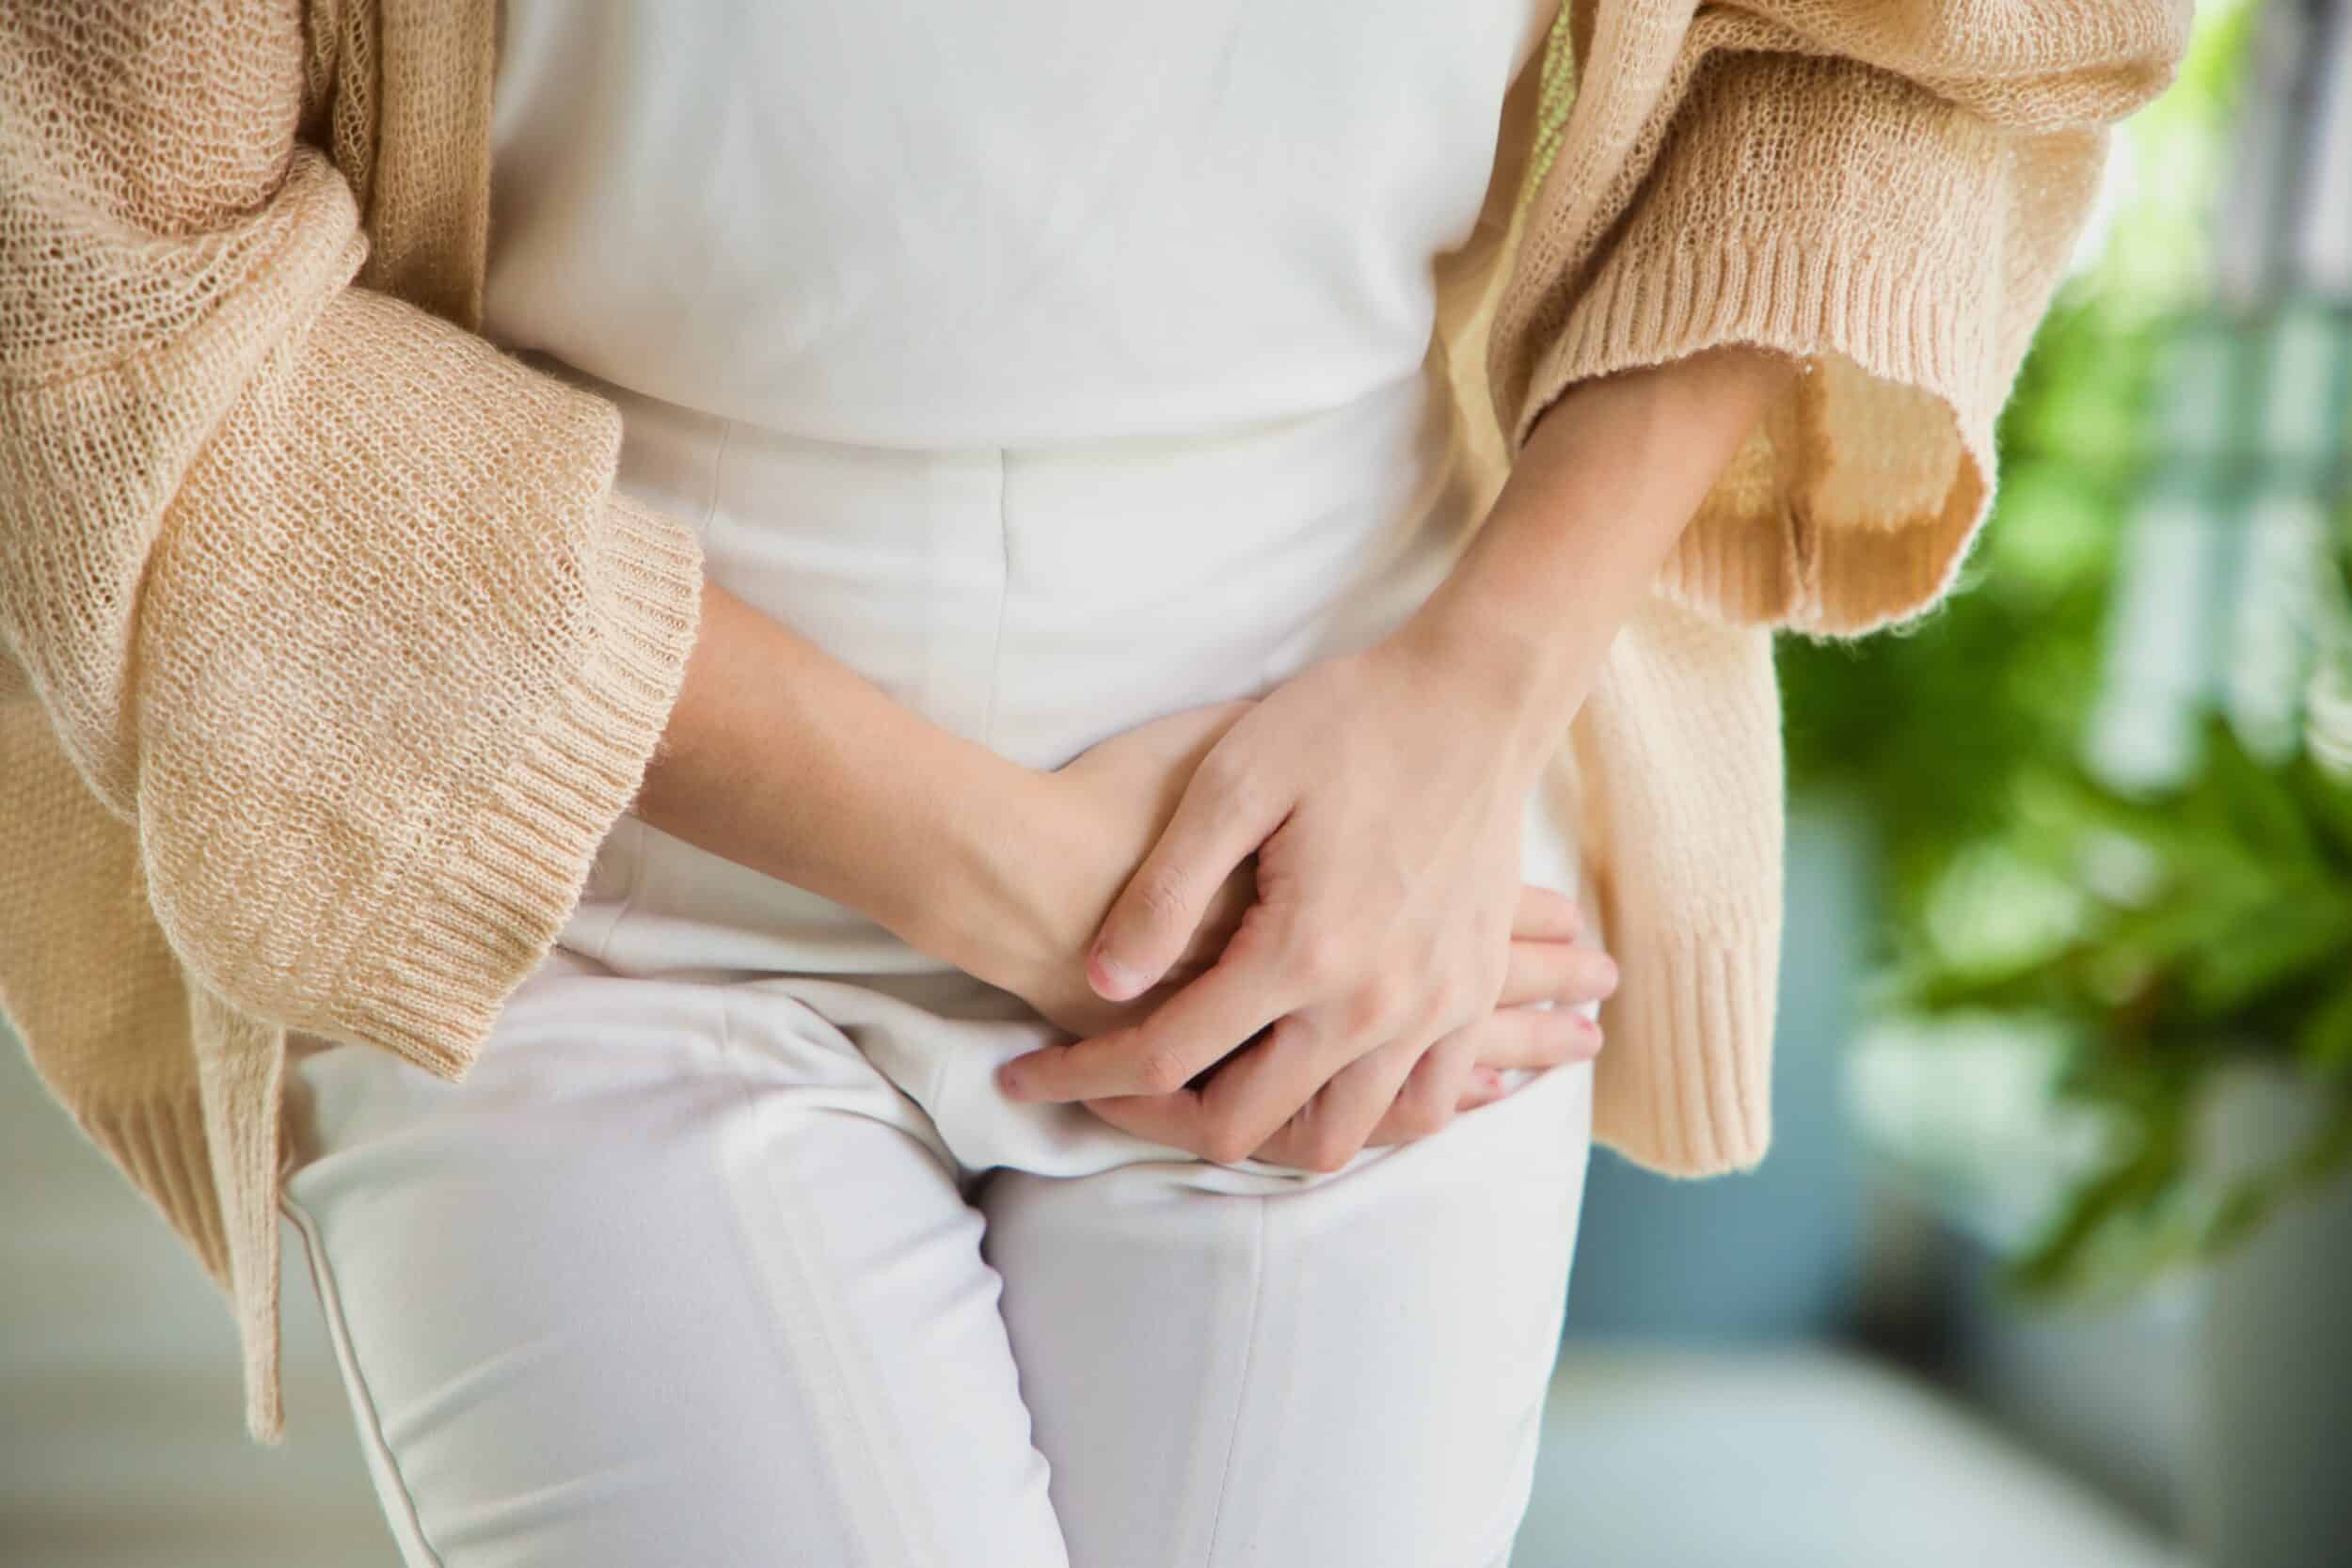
(1054, 364)
(1025, 222)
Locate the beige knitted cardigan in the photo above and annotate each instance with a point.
(332, 654)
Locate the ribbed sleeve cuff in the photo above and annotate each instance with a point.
(432, 990)
(1899, 246)
(1694, 1097)
(1854, 506)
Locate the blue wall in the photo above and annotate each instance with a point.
(1773, 1255)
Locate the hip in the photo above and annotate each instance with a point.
(1033, 600)
(1040, 599)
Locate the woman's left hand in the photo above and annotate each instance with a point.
(1383, 793)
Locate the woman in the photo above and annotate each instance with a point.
(774, 670)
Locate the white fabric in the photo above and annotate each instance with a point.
(677, 1277)
(1056, 366)
(1018, 223)
(1037, 601)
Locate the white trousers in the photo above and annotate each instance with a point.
(679, 1277)
(729, 1251)
(1036, 601)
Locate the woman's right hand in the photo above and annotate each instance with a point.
(1088, 825)
(779, 758)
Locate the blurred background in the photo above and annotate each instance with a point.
(2052, 1263)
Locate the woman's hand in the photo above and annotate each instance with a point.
(1087, 827)
(1094, 820)
(1382, 794)
(784, 760)
(1534, 1028)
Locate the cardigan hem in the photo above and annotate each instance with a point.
(1697, 1102)
(158, 1140)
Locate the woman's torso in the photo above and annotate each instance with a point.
(1021, 224)
(1056, 366)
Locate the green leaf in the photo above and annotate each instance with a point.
(2261, 806)
(1943, 991)
(2177, 926)
(2300, 933)
(2327, 802)
(2127, 1190)
(2324, 1044)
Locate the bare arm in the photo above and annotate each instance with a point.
(1597, 496)
(1382, 792)
(781, 758)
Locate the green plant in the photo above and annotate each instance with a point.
(1930, 729)
(2171, 938)
(2213, 928)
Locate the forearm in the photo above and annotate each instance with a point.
(1602, 488)
(781, 758)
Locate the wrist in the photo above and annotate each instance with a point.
(1517, 677)
(1595, 500)
(1483, 701)
(974, 909)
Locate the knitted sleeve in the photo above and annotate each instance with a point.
(327, 600)
(1888, 189)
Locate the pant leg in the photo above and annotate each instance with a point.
(1348, 1372)
(672, 1277)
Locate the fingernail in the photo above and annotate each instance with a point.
(1114, 981)
(1590, 1026)
(1008, 1080)
(1489, 1080)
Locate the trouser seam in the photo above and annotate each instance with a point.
(1003, 597)
(825, 1359)
(1241, 1384)
(363, 1400)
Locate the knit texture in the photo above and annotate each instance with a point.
(1888, 192)
(347, 654)
(332, 654)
